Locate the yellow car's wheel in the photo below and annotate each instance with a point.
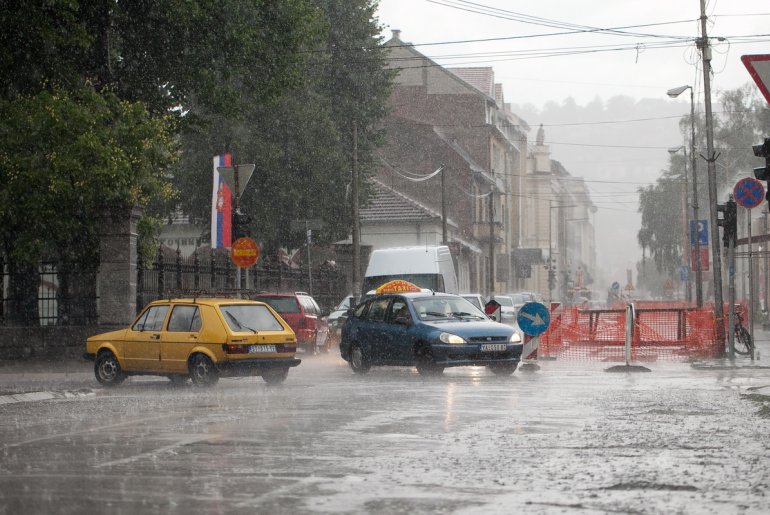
(107, 369)
(275, 375)
(202, 371)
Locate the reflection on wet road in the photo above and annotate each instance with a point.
(568, 437)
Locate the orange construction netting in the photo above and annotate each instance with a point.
(662, 330)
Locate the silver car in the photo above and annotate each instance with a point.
(474, 298)
(507, 309)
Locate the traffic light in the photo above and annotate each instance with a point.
(762, 173)
(729, 222)
(241, 223)
(551, 278)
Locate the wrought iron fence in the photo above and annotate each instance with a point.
(211, 272)
(48, 294)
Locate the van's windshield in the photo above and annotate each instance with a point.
(433, 282)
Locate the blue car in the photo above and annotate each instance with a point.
(428, 330)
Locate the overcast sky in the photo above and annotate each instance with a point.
(650, 52)
(653, 54)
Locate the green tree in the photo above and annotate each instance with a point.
(65, 157)
(301, 142)
(661, 207)
(742, 122)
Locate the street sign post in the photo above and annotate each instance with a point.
(759, 69)
(236, 177)
(533, 318)
(699, 245)
(244, 253)
(749, 193)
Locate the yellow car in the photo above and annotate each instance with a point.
(202, 339)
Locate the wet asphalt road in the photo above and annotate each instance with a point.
(568, 438)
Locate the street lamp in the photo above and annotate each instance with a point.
(673, 93)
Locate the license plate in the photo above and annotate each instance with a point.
(493, 347)
(258, 349)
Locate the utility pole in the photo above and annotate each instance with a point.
(693, 161)
(703, 44)
(444, 238)
(491, 243)
(356, 236)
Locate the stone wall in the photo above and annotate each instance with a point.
(47, 343)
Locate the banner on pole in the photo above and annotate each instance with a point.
(221, 207)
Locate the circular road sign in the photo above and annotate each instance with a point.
(533, 318)
(244, 252)
(749, 192)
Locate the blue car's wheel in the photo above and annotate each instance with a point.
(359, 362)
(503, 369)
(425, 364)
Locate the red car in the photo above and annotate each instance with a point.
(303, 315)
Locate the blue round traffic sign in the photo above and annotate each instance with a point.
(533, 318)
(749, 192)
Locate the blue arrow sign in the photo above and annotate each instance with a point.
(749, 193)
(533, 318)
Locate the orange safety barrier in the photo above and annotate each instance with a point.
(661, 331)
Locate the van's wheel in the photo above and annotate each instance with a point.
(107, 369)
(425, 364)
(358, 360)
(275, 375)
(202, 371)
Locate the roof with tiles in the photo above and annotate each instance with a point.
(481, 78)
(389, 205)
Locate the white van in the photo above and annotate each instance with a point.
(426, 267)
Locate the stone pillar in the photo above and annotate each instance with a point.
(117, 266)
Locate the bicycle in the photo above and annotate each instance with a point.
(743, 342)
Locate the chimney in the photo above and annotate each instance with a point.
(396, 34)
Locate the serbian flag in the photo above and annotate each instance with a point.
(221, 207)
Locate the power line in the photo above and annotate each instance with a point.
(504, 14)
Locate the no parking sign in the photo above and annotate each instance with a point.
(749, 193)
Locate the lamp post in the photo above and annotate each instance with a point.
(673, 93)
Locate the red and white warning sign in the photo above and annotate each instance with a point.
(759, 69)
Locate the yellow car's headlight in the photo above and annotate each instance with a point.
(451, 338)
(515, 338)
